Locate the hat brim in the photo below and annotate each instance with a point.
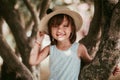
(76, 17)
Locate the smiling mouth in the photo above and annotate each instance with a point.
(60, 35)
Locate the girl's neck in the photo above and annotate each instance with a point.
(63, 45)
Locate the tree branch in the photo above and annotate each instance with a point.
(44, 6)
(1, 22)
(12, 61)
(34, 17)
(11, 17)
(92, 40)
(109, 51)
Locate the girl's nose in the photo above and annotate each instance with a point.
(59, 28)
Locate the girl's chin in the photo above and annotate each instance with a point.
(60, 39)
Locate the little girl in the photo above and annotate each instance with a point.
(65, 54)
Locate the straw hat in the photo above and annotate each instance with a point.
(60, 10)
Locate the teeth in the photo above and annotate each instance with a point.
(59, 34)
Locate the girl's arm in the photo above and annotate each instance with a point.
(82, 53)
(37, 54)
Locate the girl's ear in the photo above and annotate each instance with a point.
(49, 11)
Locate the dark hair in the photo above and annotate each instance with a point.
(57, 20)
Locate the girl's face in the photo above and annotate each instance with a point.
(61, 32)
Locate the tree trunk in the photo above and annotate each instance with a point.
(11, 17)
(15, 69)
(109, 50)
(1, 22)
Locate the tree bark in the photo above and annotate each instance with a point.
(13, 65)
(1, 22)
(92, 40)
(108, 54)
(11, 17)
(35, 18)
(43, 8)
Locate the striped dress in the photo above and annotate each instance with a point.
(64, 64)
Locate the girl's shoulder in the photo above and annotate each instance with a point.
(81, 48)
(78, 45)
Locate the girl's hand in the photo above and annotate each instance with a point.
(116, 70)
(40, 36)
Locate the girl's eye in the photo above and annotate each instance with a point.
(55, 26)
(65, 25)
